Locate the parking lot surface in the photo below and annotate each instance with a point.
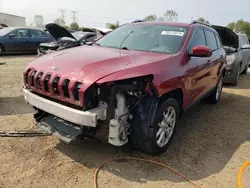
(210, 145)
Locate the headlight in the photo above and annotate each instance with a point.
(230, 59)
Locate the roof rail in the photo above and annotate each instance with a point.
(136, 21)
(200, 22)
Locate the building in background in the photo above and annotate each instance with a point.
(12, 20)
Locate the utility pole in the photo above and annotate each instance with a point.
(62, 14)
(74, 18)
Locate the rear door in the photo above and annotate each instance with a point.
(197, 74)
(38, 37)
(216, 60)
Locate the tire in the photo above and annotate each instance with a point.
(144, 134)
(235, 80)
(1, 49)
(245, 70)
(215, 96)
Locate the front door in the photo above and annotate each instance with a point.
(197, 74)
(245, 53)
(19, 41)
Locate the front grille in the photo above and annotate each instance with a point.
(54, 86)
(46, 82)
(38, 80)
(66, 88)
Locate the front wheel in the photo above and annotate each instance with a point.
(245, 70)
(154, 139)
(1, 50)
(236, 78)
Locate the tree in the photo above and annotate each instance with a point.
(231, 25)
(59, 21)
(74, 26)
(112, 25)
(201, 19)
(171, 15)
(151, 17)
(240, 26)
(161, 18)
(38, 19)
(66, 27)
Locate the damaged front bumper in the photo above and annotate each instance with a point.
(83, 118)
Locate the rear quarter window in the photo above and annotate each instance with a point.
(218, 40)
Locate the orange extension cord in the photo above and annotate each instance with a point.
(240, 173)
(140, 159)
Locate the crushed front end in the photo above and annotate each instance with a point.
(67, 109)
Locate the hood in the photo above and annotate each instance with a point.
(91, 63)
(58, 31)
(228, 37)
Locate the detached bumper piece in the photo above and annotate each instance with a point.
(65, 131)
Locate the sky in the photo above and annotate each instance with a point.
(96, 13)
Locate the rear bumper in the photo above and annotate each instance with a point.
(84, 118)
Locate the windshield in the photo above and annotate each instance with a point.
(5, 31)
(79, 35)
(150, 38)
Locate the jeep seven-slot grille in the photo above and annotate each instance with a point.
(53, 86)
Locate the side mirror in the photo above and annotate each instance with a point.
(246, 46)
(11, 35)
(201, 51)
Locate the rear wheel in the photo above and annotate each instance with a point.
(154, 138)
(215, 96)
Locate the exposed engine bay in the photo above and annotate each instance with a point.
(119, 99)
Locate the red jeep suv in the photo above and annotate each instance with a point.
(131, 85)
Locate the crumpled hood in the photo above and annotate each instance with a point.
(91, 63)
(57, 31)
(228, 37)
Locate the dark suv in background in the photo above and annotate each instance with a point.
(238, 53)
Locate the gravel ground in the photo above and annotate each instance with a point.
(210, 145)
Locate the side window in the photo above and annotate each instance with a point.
(22, 33)
(211, 41)
(37, 33)
(241, 40)
(198, 39)
(218, 41)
(246, 40)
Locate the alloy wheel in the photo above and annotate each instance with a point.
(166, 126)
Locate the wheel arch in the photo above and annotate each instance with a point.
(2, 46)
(176, 94)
